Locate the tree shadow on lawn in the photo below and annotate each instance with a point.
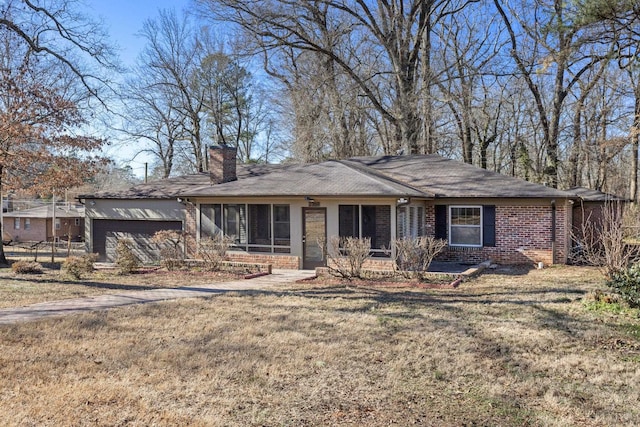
(442, 296)
(408, 304)
(82, 283)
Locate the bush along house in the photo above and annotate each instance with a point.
(281, 214)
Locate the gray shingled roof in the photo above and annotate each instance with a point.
(451, 178)
(330, 178)
(46, 211)
(421, 176)
(169, 188)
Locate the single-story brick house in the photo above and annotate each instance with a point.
(279, 213)
(35, 224)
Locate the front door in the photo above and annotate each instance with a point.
(314, 236)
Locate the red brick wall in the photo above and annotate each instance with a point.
(37, 230)
(222, 164)
(40, 229)
(289, 262)
(523, 235)
(190, 229)
(379, 264)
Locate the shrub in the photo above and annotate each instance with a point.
(213, 250)
(414, 255)
(126, 261)
(26, 267)
(77, 266)
(347, 255)
(170, 245)
(602, 240)
(627, 284)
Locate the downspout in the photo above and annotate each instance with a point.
(553, 231)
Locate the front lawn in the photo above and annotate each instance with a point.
(511, 347)
(52, 284)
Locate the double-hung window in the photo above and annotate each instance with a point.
(27, 223)
(465, 226)
(16, 223)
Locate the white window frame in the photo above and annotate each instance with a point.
(450, 224)
(27, 223)
(58, 224)
(16, 223)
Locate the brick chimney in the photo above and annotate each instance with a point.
(222, 163)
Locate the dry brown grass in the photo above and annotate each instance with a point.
(508, 348)
(18, 290)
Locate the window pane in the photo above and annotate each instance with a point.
(465, 235)
(420, 220)
(348, 221)
(402, 221)
(281, 213)
(465, 216)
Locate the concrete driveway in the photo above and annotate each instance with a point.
(103, 302)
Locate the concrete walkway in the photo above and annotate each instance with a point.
(103, 302)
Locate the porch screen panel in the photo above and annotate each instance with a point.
(235, 223)
(376, 225)
(349, 221)
(210, 220)
(281, 228)
(259, 228)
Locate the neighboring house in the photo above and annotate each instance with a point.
(282, 213)
(36, 224)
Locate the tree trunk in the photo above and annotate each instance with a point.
(635, 151)
(3, 258)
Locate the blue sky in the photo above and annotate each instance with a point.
(124, 18)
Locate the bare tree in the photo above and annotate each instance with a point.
(170, 60)
(57, 30)
(551, 42)
(398, 30)
(467, 61)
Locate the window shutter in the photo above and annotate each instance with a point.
(489, 226)
(441, 222)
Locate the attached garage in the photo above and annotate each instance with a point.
(135, 214)
(107, 233)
